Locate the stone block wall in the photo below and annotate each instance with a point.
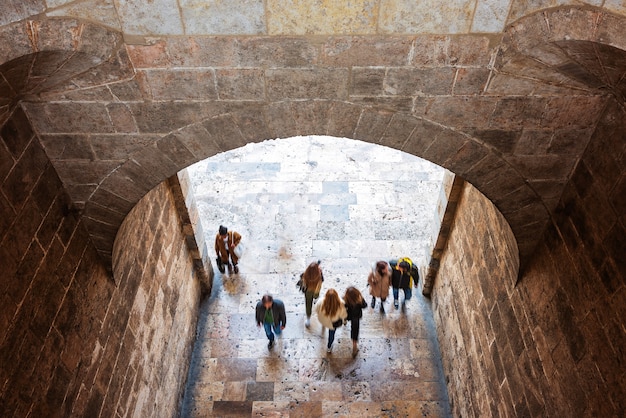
(158, 284)
(475, 277)
(185, 200)
(552, 344)
(75, 340)
(48, 274)
(446, 212)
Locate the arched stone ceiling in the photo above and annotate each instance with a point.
(511, 112)
(42, 55)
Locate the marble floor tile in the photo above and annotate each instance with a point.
(260, 391)
(273, 409)
(234, 391)
(232, 409)
(325, 391)
(278, 368)
(212, 391)
(292, 391)
(354, 391)
(403, 390)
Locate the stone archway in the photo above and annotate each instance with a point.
(489, 116)
(57, 54)
(532, 93)
(448, 148)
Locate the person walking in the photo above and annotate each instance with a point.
(331, 312)
(271, 314)
(401, 279)
(379, 281)
(225, 243)
(354, 307)
(312, 279)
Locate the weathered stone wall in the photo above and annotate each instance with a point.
(54, 292)
(185, 201)
(74, 341)
(474, 274)
(155, 272)
(552, 345)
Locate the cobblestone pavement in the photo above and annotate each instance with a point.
(348, 204)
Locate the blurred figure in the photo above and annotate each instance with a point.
(354, 307)
(312, 279)
(379, 281)
(401, 278)
(271, 314)
(225, 243)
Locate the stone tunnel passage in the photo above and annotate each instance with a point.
(347, 203)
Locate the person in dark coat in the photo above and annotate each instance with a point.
(271, 314)
(401, 279)
(354, 306)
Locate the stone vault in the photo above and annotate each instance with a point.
(120, 107)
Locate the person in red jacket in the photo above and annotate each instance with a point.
(225, 243)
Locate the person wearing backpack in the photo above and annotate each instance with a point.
(401, 278)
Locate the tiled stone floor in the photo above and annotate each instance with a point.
(348, 204)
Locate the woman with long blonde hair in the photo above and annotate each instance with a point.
(331, 312)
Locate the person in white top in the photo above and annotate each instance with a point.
(331, 312)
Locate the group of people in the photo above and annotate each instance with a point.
(399, 274)
(334, 311)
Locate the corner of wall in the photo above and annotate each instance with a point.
(446, 211)
(182, 190)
